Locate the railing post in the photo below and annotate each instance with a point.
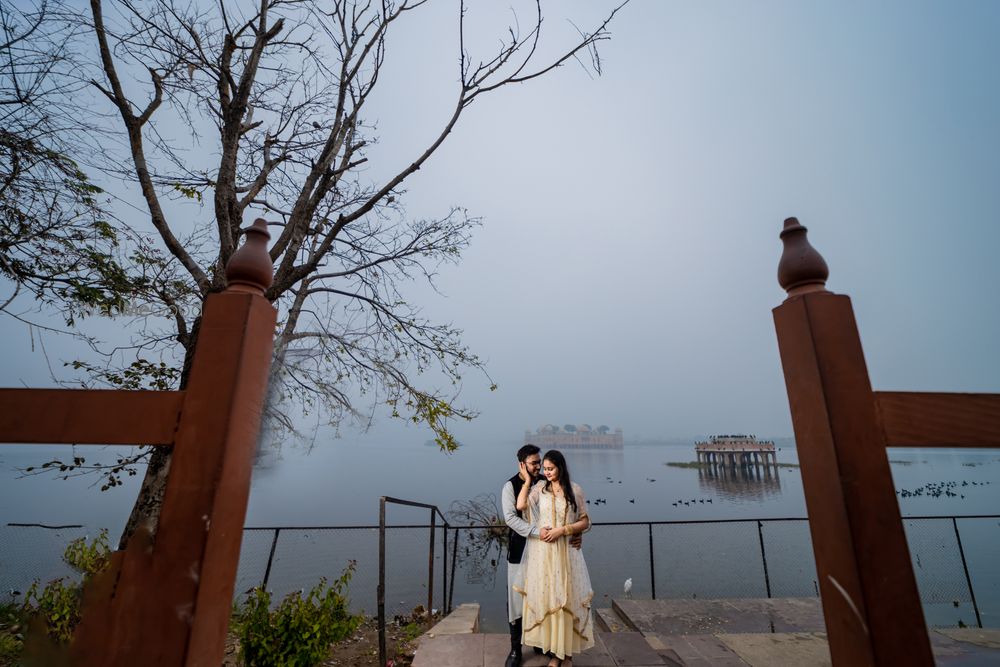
(871, 604)
(965, 568)
(454, 567)
(170, 601)
(270, 559)
(652, 566)
(763, 557)
(444, 570)
(380, 592)
(430, 572)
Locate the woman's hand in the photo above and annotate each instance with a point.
(552, 534)
(522, 471)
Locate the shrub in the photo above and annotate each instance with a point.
(11, 632)
(299, 632)
(58, 603)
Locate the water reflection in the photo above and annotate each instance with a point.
(595, 463)
(748, 482)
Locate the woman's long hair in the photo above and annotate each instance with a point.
(559, 461)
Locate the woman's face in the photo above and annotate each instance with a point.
(550, 470)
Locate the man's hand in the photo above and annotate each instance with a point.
(576, 541)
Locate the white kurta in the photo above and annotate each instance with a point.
(515, 571)
(557, 591)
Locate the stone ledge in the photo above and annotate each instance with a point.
(464, 619)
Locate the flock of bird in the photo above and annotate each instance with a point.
(693, 501)
(604, 501)
(939, 489)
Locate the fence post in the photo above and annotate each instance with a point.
(430, 572)
(380, 592)
(454, 566)
(444, 571)
(965, 567)
(270, 559)
(652, 567)
(763, 557)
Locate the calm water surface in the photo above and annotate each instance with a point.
(339, 484)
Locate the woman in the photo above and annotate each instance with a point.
(557, 592)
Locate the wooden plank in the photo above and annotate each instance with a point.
(930, 419)
(89, 416)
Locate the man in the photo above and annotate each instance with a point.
(529, 462)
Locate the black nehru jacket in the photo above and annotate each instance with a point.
(515, 543)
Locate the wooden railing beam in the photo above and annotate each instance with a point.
(89, 416)
(934, 419)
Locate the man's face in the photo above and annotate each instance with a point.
(533, 463)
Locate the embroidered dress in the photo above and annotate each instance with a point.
(557, 592)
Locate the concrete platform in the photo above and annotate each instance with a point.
(781, 649)
(732, 616)
(695, 633)
(476, 650)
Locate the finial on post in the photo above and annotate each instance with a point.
(801, 269)
(250, 268)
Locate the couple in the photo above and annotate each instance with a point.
(548, 586)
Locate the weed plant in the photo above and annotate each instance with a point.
(299, 632)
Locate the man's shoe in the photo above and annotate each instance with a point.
(513, 660)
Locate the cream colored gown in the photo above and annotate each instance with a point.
(557, 592)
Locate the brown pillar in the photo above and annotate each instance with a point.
(171, 601)
(870, 600)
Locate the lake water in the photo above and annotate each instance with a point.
(339, 483)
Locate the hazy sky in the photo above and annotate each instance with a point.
(625, 272)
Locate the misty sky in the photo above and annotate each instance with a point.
(625, 271)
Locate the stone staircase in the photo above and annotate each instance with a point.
(774, 632)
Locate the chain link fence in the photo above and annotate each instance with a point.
(33, 552)
(953, 560)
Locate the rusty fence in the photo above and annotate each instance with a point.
(432, 564)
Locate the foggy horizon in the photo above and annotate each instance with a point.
(625, 270)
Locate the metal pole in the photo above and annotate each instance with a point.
(968, 579)
(763, 558)
(430, 573)
(444, 571)
(652, 568)
(381, 582)
(454, 566)
(270, 559)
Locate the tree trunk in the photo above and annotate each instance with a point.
(146, 510)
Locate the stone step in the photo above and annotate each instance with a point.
(464, 619)
(608, 620)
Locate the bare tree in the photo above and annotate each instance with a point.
(276, 96)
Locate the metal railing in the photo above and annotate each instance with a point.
(446, 603)
(708, 558)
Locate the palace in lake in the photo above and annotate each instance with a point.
(733, 450)
(575, 436)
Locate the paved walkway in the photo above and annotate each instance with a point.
(781, 632)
